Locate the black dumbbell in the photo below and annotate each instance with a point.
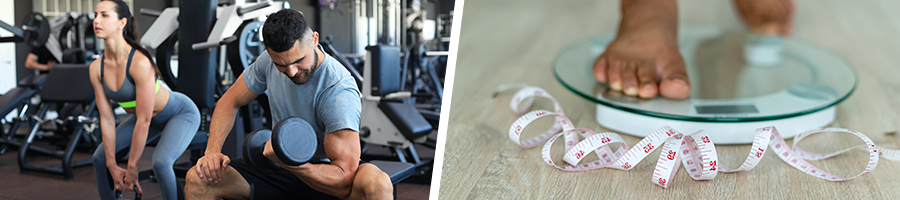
(293, 140)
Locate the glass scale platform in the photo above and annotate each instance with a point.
(740, 82)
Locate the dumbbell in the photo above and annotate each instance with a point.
(293, 140)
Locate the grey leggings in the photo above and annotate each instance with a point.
(175, 126)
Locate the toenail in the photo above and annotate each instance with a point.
(616, 85)
(631, 91)
(678, 80)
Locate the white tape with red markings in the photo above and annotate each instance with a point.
(695, 150)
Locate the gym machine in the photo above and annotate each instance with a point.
(34, 32)
(402, 76)
(66, 83)
(70, 39)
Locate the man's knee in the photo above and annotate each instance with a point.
(193, 183)
(375, 180)
(232, 186)
(383, 182)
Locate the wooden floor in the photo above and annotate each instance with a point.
(504, 41)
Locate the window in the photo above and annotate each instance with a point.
(53, 8)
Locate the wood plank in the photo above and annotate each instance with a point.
(505, 41)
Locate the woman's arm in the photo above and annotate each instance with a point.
(107, 119)
(145, 89)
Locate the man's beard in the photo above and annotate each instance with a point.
(303, 76)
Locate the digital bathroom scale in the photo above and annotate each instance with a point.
(740, 82)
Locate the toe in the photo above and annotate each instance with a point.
(614, 75)
(675, 83)
(629, 79)
(600, 67)
(675, 88)
(647, 82)
(786, 28)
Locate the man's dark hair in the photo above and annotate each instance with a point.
(283, 28)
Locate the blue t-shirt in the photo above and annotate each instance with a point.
(330, 101)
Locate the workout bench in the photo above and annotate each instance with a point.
(66, 83)
(18, 98)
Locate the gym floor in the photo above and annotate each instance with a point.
(37, 185)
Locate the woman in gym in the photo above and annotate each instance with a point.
(132, 80)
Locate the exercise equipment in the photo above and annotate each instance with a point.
(72, 39)
(66, 83)
(75, 36)
(34, 32)
(137, 195)
(293, 140)
(732, 91)
(243, 52)
(19, 98)
(69, 37)
(254, 144)
(237, 26)
(396, 170)
(387, 119)
(422, 74)
(166, 24)
(230, 17)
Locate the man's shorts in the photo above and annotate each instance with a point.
(281, 184)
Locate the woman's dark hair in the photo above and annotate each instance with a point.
(283, 28)
(130, 32)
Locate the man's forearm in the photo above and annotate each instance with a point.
(37, 66)
(42, 67)
(220, 126)
(327, 178)
(649, 15)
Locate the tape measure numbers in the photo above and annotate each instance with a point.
(695, 150)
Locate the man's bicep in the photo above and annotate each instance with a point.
(342, 146)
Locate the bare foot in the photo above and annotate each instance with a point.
(644, 64)
(772, 17)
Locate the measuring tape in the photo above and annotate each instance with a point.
(695, 150)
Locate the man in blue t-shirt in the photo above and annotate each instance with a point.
(300, 80)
